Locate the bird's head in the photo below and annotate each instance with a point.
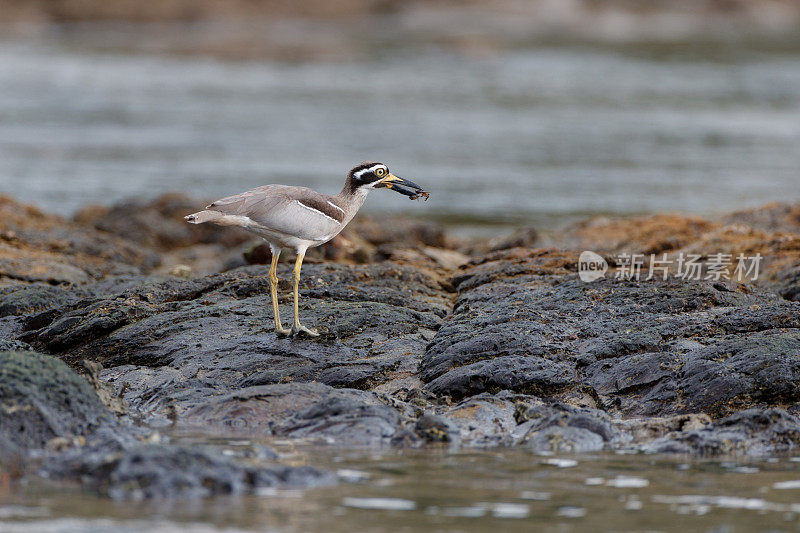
(371, 175)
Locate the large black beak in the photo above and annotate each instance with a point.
(403, 186)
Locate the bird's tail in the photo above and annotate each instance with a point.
(203, 216)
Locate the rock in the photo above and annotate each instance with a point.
(402, 231)
(373, 319)
(181, 271)
(429, 258)
(503, 348)
(33, 299)
(647, 235)
(158, 223)
(758, 432)
(156, 471)
(171, 346)
(347, 247)
(36, 247)
(772, 231)
(309, 411)
(556, 439)
(434, 428)
(771, 218)
(42, 399)
(14, 346)
(522, 322)
(11, 457)
(45, 406)
(525, 237)
(484, 420)
(564, 429)
(343, 420)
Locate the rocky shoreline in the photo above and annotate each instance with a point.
(123, 325)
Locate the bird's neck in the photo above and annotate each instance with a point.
(351, 201)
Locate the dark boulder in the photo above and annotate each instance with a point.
(42, 399)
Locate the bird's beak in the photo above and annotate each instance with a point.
(403, 186)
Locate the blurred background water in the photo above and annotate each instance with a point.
(510, 133)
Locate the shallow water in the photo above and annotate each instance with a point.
(540, 134)
(507, 490)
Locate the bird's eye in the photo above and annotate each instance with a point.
(380, 172)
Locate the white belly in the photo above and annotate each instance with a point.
(273, 237)
(286, 241)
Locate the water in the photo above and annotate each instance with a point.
(540, 134)
(503, 490)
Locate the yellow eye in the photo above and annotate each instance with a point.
(381, 172)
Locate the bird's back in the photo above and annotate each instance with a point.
(297, 212)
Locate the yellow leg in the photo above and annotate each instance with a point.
(273, 289)
(297, 327)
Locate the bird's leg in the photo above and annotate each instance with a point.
(273, 290)
(297, 327)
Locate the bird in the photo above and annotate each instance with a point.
(299, 218)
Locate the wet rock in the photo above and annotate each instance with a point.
(343, 420)
(374, 320)
(505, 348)
(484, 420)
(310, 411)
(560, 428)
(761, 368)
(523, 322)
(434, 428)
(521, 373)
(156, 471)
(10, 457)
(42, 399)
(45, 406)
(555, 439)
(757, 432)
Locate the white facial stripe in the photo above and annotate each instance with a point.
(336, 206)
(373, 168)
(301, 204)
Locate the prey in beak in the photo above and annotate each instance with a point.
(403, 186)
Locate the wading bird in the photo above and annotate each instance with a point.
(300, 218)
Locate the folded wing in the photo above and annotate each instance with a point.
(295, 211)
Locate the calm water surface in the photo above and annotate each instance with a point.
(520, 135)
(506, 490)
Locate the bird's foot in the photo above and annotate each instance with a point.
(299, 328)
(280, 331)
